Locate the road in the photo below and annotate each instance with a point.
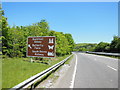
(90, 71)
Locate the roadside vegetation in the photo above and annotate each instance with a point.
(16, 70)
(16, 67)
(14, 38)
(113, 47)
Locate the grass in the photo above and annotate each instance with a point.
(16, 70)
(68, 61)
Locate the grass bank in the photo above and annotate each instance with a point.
(16, 70)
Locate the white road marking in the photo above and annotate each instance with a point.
(111, 67)
(74, 73)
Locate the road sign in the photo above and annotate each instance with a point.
(43, 46)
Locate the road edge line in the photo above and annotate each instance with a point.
(74, 73)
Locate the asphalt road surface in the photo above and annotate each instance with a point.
(90, 71)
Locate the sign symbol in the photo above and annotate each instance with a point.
(51, 40)
(50, 54)
(50, 47)
(29, 46)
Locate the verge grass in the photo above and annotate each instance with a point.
(16, 70)
(68, 61)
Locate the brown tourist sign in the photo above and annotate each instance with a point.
(43, 46)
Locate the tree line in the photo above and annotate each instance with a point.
(14, 39)
(113, 47)
(84, 47)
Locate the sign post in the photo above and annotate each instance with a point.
(41, 46)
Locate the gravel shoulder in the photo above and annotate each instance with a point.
(56, 79)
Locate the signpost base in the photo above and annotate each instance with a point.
(31, 60)
(49, 62)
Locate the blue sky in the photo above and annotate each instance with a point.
(88, 22)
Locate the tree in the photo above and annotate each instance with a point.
(16, 42)
(15, 38)
(85, 47)
(4, 30)
(70, 42)
(62, 47)
(115, 44)
(101, 47)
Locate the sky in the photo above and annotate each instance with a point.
(60, 0)
(88, 22)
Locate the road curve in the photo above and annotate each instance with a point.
(90, 71)
(95, 71)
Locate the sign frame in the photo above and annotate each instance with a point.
(41, 56)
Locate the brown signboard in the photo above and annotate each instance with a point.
(43, 46)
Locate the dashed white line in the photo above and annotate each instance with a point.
(111, 67)
(74, 73)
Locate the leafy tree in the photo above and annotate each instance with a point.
(62, 46)
(70, 42)
(15, 38)
(115, 44)
(101, 47)
(16, 42)
(84, 47)
(42, 27)
(51, 33)
(4, 30)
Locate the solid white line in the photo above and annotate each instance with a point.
(111, 67)
(74, 73)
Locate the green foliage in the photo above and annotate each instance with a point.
(115, 44)
(84, 47)
(16, 70)
(15, 38)
(4, 29)
(70, 42)
(102, 47)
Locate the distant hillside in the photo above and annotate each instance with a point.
(85, 47)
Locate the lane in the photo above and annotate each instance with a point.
(95, 71)
(103, 59)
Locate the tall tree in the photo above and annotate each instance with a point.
(4, 29)
(115, 44)
(101, 47)
(70, 42)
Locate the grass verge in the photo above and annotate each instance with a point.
(68, 61)
(16, 70)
